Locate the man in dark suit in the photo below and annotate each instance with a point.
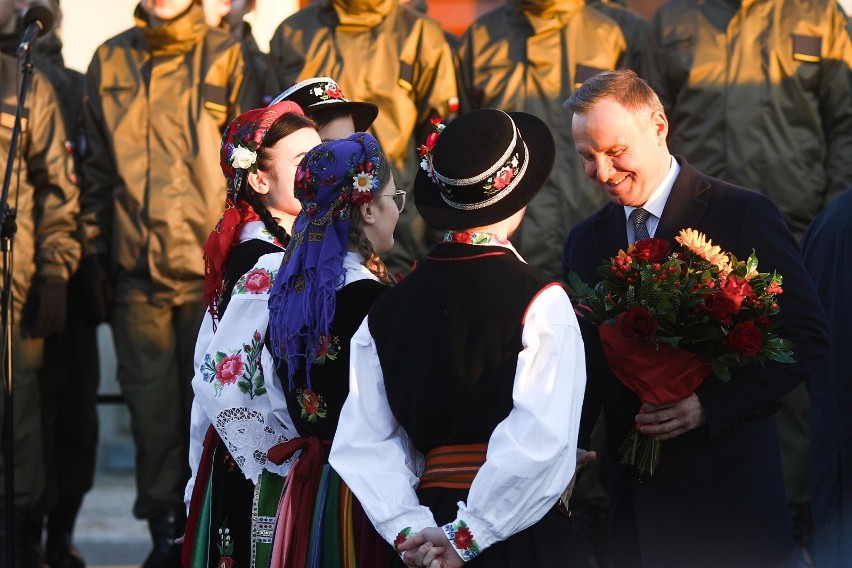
(717, 497)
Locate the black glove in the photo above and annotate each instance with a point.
(49, 297)
(95, 288)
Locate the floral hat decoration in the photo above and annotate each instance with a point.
(321, 93)
(482, 168)
(237, 157)
(329, 180)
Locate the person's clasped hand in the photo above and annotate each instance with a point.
(49, 295)
(671, 420)
(429, 548)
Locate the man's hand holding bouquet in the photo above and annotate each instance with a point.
(668, 320)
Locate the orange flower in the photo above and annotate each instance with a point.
(703, 247)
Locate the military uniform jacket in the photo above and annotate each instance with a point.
(155, 104)
(399, 60)
(759, 93)
(47, 202)
(516, 61)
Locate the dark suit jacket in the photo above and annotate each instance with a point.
(717, 498)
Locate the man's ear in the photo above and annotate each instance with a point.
(368, 213)
(259, 182)
(661, 125)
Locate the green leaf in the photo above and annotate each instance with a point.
(721, 370)
(259, 391)
(751, 263)
(244, 387)
(780, 356)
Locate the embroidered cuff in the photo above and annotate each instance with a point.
(462, 538)
(400, 538)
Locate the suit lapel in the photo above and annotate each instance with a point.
(684, 207)
(610, 232)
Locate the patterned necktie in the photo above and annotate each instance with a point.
(640, 230)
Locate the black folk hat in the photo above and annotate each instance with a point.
(320, 93)
(485, 166)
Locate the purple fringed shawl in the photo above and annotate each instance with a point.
(302, 301)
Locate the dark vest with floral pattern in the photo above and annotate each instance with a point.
(448, 338)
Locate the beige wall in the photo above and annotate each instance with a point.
(88, 23)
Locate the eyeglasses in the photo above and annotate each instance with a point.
(398, 198)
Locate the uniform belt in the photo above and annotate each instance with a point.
(453, 467)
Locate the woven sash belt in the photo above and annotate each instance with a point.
(452, 467)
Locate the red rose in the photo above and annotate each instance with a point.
(463, 538)
(311, 402)
(461, 237)
(652, 250)
(229, 368)
(637, 323)
(258, 281)
(225, 562)
(503, 178)
(722, 305)
(745, 339)
(333, 91)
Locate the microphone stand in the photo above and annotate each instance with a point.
(8, 227)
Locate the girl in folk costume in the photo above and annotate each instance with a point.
(470, 373)
(330, 277)
(234, 491)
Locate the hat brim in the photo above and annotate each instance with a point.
(363, 114)
(542, 153)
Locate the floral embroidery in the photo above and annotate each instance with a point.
(462, 539)
(256, 281)
(229, 462)
(502, 177)
(327, 350)
(427, 149)
(403, 535)
(225, 369)
(225, 546)
(475, 238)
(327, 91)
(312, 404)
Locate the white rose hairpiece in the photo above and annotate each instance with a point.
(243, 158)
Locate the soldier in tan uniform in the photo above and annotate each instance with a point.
(45, 254)
(530, 55)
(157, 98)
(386, 54)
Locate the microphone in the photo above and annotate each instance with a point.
(37, 21)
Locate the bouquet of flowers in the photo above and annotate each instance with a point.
(667, 320)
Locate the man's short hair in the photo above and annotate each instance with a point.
(624, 86)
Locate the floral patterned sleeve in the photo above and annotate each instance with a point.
(229, 382)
